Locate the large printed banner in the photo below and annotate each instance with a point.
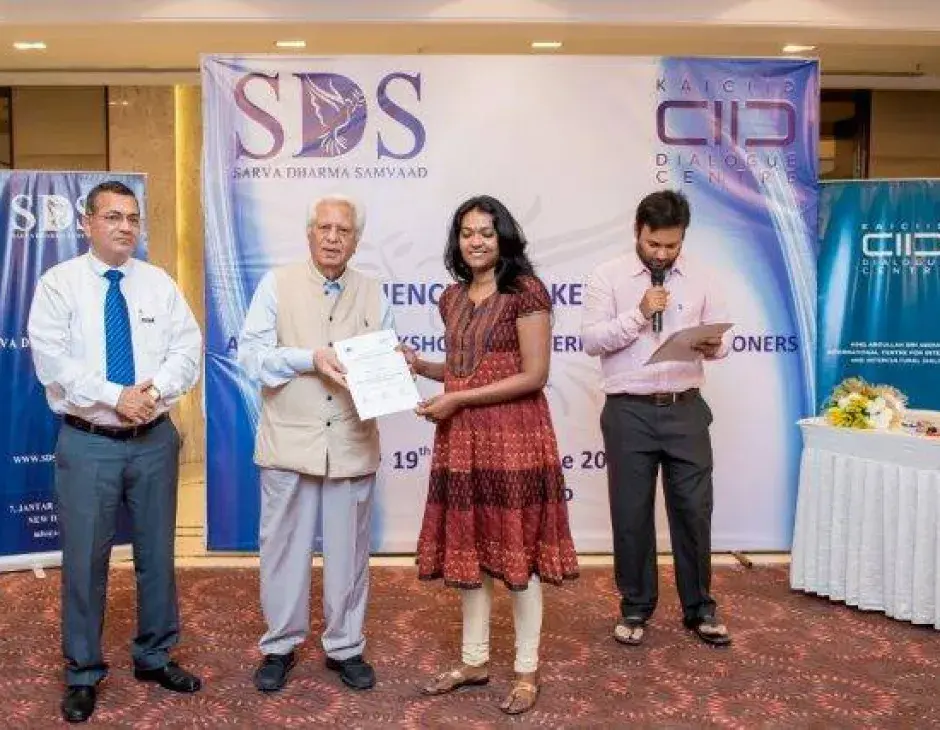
(570, 145)
(879, 286)
(40, 216)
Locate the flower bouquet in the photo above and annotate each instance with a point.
(857, 404)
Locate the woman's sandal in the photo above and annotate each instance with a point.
(522, 695)
(454, 679)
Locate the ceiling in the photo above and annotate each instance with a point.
(159, 52)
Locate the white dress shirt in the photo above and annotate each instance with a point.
(67, 338)
(258, 351)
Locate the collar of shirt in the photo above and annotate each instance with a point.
(637, 267)
(330, 286)
(100, 268)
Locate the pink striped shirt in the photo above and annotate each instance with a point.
(614, 328)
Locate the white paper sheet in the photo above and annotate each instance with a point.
(377, 374)
(678, 346)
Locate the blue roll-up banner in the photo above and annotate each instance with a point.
(879, 286)
(571, 145)
(40, 216)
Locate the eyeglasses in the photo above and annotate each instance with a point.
(341, 231)
(114, 219)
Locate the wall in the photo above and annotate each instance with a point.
(904, 134)
(157, 130)
(60, 128)
(191, 514)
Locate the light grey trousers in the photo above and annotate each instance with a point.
(292, 504)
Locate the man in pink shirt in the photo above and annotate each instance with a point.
(655, 416)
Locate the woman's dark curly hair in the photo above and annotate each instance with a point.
(513, 261)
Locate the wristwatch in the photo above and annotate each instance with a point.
(154, 392)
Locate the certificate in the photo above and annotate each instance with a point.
(678, 346)
(377, 374)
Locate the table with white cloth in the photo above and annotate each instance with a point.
(867, 527)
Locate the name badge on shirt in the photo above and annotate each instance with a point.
(144, 317)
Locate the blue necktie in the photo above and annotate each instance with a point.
(331, 287)
(119, 350)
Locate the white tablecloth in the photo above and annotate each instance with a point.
(868, 521)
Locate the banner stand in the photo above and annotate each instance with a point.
(879, 286)
(570, 144)
(40, 217)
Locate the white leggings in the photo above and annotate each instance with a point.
(527, 618)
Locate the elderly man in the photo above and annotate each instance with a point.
(654, 415)
(318, 459)
(115, 345)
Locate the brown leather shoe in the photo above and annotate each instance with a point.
(453, 679)
(522, 695)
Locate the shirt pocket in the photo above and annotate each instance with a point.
(152, 331)
(688, 312)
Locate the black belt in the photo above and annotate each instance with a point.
(121, 434)
(658, 399)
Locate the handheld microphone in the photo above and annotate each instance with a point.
(658, 277)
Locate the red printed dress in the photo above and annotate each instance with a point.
(496, 496)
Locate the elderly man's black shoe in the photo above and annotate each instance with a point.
(355, 671)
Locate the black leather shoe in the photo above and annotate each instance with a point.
(171, 677)
(271, 674)
(355, 671)
(78, 704)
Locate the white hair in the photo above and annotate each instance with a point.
(359, 212)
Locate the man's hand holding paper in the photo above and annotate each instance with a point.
(689, 344)
(708, 346)
(326, 363)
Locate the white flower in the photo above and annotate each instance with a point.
(877, 406)
(894, 404)
(881, 421)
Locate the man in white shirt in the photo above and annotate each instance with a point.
(115, 345)
(318, 459)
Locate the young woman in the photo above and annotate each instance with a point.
(495, 507)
